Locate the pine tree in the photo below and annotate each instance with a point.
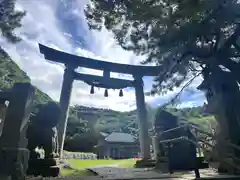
(10, 19)
(183, 37)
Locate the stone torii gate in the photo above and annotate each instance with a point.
(72, 62)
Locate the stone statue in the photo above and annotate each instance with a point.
(42, 132)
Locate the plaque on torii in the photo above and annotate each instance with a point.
(72, 62)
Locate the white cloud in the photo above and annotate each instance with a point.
(41, 25)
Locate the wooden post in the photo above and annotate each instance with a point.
(65, 98)
(142, 119)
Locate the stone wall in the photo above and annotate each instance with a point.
(73, 155)
(78, 155)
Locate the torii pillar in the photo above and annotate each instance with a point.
(142, 118)
(65, 98)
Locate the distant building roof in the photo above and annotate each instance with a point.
(120, 137)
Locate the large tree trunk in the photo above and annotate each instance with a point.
(224, 102)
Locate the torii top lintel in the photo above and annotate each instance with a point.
(66, 58)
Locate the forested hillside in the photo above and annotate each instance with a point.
(109, 121)
(10, 73)
(85, 122)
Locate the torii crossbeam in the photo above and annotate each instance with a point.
(72, 62)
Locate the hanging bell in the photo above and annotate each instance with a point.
(106, 93)
(121, 93)
(92, 90)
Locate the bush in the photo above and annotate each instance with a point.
(84, 142)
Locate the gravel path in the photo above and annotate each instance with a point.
(114, 172)
(101, 178)
(65, 178)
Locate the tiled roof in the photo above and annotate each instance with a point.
(120, 137)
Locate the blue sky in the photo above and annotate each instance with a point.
(61, 24)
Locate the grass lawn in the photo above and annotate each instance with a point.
(79, 166)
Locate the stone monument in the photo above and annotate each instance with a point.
(42, 133)
(13, 152)
(174, 139)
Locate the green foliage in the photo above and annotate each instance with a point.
(109, 120)
(196, 115)
(10, 73)
(181, 36)
(81, 142)
(10, 19)
(206, 123)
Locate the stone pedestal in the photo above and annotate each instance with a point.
(43, 167)
(14, 162)
(162, 164)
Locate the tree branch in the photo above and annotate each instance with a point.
(218, 37)
(236, 46)
(230, 41)
(171, 69)
(182, 89)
